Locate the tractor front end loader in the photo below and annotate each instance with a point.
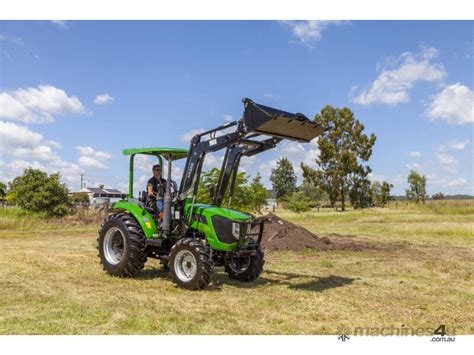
(191, 238)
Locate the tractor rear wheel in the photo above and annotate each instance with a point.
(122, 245)
(246, 268)
(190, 264)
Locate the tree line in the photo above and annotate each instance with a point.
(342, 173)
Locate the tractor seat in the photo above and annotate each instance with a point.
(142, 196)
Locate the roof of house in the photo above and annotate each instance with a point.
(113, 191)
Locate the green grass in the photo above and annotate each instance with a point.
(420, 276)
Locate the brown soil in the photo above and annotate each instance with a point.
(282, 235)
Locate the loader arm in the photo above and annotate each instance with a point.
(257, 121)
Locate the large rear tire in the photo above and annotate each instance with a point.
(121, 245)
(190, 264)
(246, 268)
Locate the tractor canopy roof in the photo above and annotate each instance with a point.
(173, 153)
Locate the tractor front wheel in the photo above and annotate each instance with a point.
(122, 245)
(246, 268)
(190, 264)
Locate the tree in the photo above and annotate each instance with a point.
(298, 202)
(37, 191)
(324, 182)
(258, 193)
(359, 192)
(385, 196)
(417, 190)
(283, 179)
(343, 150)
(438, 196)
(3, 191)
(80, 198)
(242, 198)
(381, 193)
(311, 188)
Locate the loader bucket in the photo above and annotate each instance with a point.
(272, 122)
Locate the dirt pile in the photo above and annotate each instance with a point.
(279, 234)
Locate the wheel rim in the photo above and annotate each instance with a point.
(185, 265)
(239, 265)
(114, 245)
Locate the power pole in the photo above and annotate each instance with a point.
(82, 180)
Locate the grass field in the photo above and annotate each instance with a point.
(420, 276)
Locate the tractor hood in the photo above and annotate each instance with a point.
(272, 122)
(211, 210)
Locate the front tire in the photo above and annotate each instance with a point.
(246, 268)
(122, 245)
(190, 264)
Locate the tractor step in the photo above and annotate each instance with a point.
(154, 242)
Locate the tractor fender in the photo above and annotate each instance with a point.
(142, 216)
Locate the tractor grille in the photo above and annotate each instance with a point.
(223, 228)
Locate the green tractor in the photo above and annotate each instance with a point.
(188, 237)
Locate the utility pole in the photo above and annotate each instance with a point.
(82, 180)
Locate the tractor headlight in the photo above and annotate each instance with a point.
(236, 229)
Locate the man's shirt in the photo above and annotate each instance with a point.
(159, 186)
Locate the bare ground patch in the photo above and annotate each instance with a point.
(280, 234)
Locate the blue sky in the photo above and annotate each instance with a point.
(73, 94)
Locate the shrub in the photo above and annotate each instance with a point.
(80, 198)
(298, 202)
(37, 191)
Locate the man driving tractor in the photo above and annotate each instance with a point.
(156, 188)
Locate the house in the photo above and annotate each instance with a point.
(99, 196)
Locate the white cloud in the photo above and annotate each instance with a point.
(91, 163)
(12, 39)
(37, 104)
(188, 136)
(91, 152)
(91, 158)
(414, 154)
(247, 162)
(103, 99)
(213, 160)
(61, 24)
(10, 108)
(394, 82)
(20, 142)
(309, 31)
(444, 182)
(395, 180)
(29, 149)
(455, 105)
(265, 171)
(448, 162)
(271, 96)
(16, 167)
(143, 163)
(13, 136)
(414, 166)
(296, 153)
(459, 145)
(228, 118)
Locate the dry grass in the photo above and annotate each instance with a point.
(51, 282)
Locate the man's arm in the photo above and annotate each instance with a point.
(150, 189)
